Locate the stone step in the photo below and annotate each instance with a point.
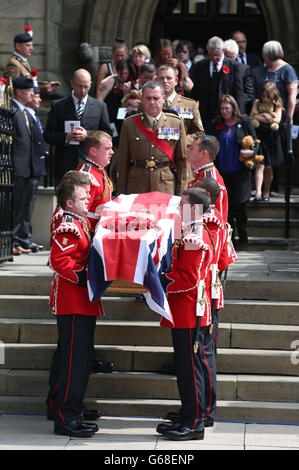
(155, 386)
(260, 311)
(265, 243)
(273, 209)
(153, 358)
(238, 411)
(137, 333)
(253, 285)
(129, 309)
(257, 227)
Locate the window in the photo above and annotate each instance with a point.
(228, 7)
(210, 7)
(199, 7)
(251, 8)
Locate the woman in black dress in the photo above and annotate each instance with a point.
(266, 116)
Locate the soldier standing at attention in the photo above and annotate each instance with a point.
(185, 107)
(190, 304)
(18, 64)
(201, 156)
(75, 314)
(98, 151)
(152, 148)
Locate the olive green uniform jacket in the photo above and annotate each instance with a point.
(187, 109)
(134, 146)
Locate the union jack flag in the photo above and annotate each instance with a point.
(133, 241)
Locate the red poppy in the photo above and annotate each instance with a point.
(226, 69)
(116, 89)
(34, 73)
(220, 126)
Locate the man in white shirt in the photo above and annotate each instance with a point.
(28, 166)
(243, 56)
(69, 121)
(215, 76)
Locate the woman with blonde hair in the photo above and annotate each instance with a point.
(140, 55)
(277, 70)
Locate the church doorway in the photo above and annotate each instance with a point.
(198, 20)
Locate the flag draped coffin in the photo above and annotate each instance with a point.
(133, 241)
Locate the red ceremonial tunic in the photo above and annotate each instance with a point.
(70, 245)
(223, 255)
(100, 190)
(210, 171)
(56, 218)
(191, 259)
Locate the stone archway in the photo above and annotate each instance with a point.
(104, 20)
(282, 17)
(129, 19)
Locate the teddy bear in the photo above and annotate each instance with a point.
(249, 143)
(266, 108)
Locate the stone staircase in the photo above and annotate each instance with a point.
(266, 224)
(258, 371)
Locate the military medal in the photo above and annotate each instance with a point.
(169, 133)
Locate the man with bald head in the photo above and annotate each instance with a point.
(70, 120)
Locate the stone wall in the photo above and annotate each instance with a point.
(45, 18)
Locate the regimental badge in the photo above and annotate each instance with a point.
(86, 167)
(185, 113)
(65, 241)
(169, 133)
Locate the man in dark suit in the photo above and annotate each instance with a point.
(213, 77)
(243, 56)
(69, 121)
(231, 50)
(29, 165)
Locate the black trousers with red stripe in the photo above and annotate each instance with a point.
(196, 376)
(71, 365)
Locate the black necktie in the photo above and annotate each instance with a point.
(80, 110)
(215, 71)
(242, 58)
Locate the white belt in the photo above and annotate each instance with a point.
(93, 215)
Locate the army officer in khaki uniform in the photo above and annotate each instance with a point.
(18, 64)
(152, 148)
(186, 108)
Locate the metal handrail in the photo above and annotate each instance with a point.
(289, 162)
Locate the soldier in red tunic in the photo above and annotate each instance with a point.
(78, 179)
(223, 256)
(98, 150)
(75, 314)
(190, 304)
(201, 155)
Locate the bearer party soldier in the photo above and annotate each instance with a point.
(98, 153)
